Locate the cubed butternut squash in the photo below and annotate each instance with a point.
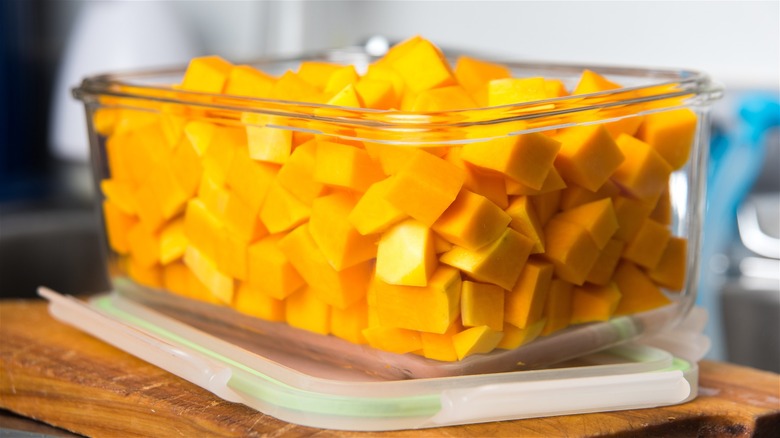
(405, 254)
(482, 304)
(471, 221)
(525, 302)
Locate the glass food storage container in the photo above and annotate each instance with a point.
(424, 241)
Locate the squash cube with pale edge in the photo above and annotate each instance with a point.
(601, 272)
(245, 80)
(669, 272)
(663, 210)
(471, 221)
(597, 218)
(526, 222)
(241, 219)
(570, 249)
(476, 340)
(671, 134)
(425, 187)
(345, 166)
(592, 82)
(205, 269)
(647, 247)
(346, 97)
(593, 303)
(516, 337)
(558, 306)
(270, 271)
(525, 158)
(218, 156)
(337, 288)
(173, 241)
(482, 305)
(644, 173)
(405, 254)
(292, 87)
(202, 228)
(350, 322)
(378, 72)
(422, 66)
(392, 339)
(282, 211)
(638, 291)
(304, 310)
(588, 156)
(253, 302)
(199, 134)
(429, 309)
(509, 91)
(499, 262)
(391, 158)
(267, 143)
(523, 304)
(439, 346)
(207, 74)
(186, 166)
(373, 213)
(338, 240)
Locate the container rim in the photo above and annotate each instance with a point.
(665, 88)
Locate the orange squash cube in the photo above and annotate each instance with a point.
(253, 302)
(601, 272)
(431, 309)
(671, 134)
(669, 272)
(570, 249)
(304, 310)
(593, 303)
(644, 173)
(638, 292)
(517, 337)
(297, 174)
(476, 340)
(266, 142)
(344, 166)
(647, 247)
(373, 213)
(631, 214)
(475, 74)
(206, 74)
(425, 187)
(380, 72)
(336, 288)
(282, 211)
(574, 195)
(422, 66)
(552, 182)
(405, 254)
(120, 193)
(118, 225)
(376, 93)
(205, 269)
(340, 78)
(439, 346)
(173, 241)
(499, 262)
(247, 81)
(150, 276)
(471, 221)
(525, 158)
(202, 228)
(588, 156)
(525, 302)
(449, 98)
(342, 245)
(488, 184)
(292, 87)
(592, 82)
(393, 339)
(597, 218)
(317, 73)
(231, 257)
(558, 307)
(509, 91)
(482, 305)
(526, 222)
(349, 323)
(250, 179)
(269, 271)
(546, 205)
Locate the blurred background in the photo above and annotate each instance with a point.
(49, 228)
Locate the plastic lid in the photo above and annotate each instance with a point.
(626, 377)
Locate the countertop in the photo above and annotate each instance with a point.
(60, 376)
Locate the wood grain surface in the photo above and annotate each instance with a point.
(55, 374)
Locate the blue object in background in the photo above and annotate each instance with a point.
(736, 160)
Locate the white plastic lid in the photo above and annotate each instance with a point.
(319, 395)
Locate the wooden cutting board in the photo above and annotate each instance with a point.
(63, 377)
